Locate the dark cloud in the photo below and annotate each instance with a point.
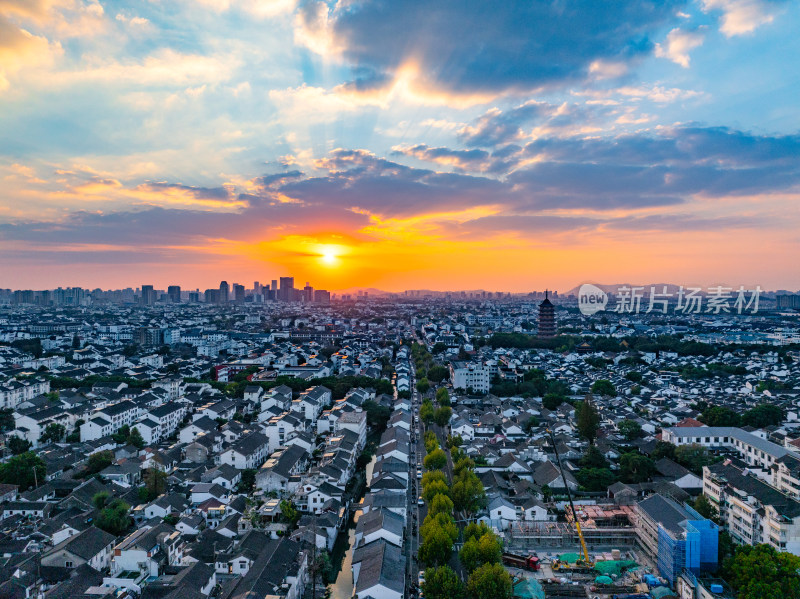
(477, 159)
(159, 227)
(200, 193)
(499, 127)
(269, 180)
(668, 171)
(494, 46)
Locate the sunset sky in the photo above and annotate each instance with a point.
(399, 144)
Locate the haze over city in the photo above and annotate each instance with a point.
(398, 145)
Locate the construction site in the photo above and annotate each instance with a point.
(597, 553)
(548, 560)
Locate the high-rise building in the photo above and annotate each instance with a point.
(788, 301)
(547, 318)
(224, 292)
(274, 285)
(256, 287)
(211, 296)
(148, 295)
(286, 292)
(322, 296)
(194, 297)
(174, 293)
(308, 293)
(238, 293)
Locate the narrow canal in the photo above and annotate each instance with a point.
(342, 554)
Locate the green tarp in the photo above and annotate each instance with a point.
(617, 567)
(604, 580)
(661, 593)
(529, 588)
(570, 558)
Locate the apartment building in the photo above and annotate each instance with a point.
(753, 511)
(470, 375)
(753, 450)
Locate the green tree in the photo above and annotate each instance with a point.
(121, 436)
(437, 546)
(490, 581)
(693, 456)
(468, 493)
(636, 468)
(531, 423)
(476, 552)
(551, 401)
(588, 419)
(442, 416)
(440, 504)
(593, 458)
(761, 572)
(438, 373)
(101, 499)
(706, 509)
(99, 460)
(475, 530)
(53, 432)
(663, 450)
(764, 415)
(423, 385)
(726, 547)
(630, 429)
(442, 396)
(136, 439)
(289, 513)
(114, 518)
(720, 416)
(439, 348)
(321, 567)
(18, 445)
(604, 387)
(595, 479)
(462, 464)
(432, 476)
(25, 470)
(377, 415)
(441, 521)
(248, 482)
(442, 583)
(634, 376)
(435, 488)
(435, 460)
(427, 412)
(7, 420)
(155, 482)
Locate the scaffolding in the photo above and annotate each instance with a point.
(561, 535)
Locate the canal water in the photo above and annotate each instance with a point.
(342, 587)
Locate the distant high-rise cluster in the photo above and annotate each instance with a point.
(281, 290)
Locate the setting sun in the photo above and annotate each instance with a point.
(330, 254)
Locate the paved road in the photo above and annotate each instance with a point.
(413, 510)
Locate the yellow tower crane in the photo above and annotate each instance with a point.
(586, 562)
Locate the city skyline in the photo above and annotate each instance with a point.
(399, 145)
